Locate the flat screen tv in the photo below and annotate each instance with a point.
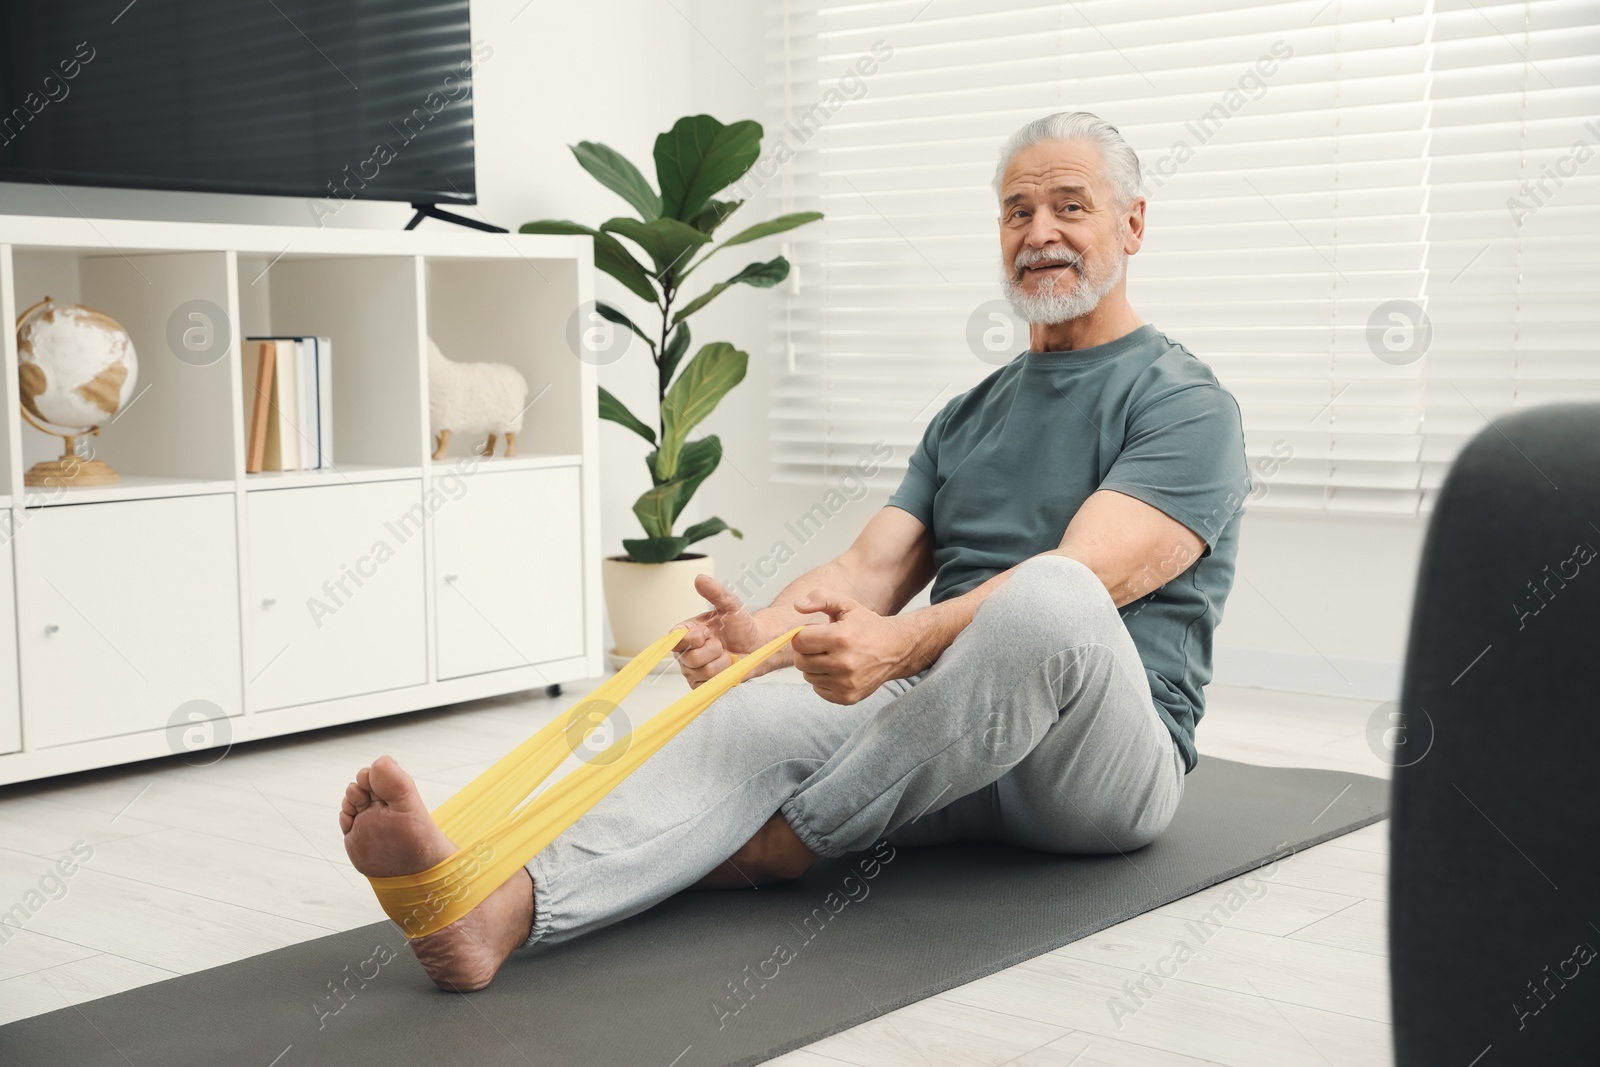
(365, 99)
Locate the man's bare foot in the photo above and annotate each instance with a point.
(387, 832)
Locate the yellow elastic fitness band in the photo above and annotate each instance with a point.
(503, 827)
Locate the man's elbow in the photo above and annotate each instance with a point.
(1125, 589)
(1124, 585)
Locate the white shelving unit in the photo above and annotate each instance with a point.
(194, 605)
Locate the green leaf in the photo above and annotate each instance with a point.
(612, 170)
(654, 509)
(609, 256)
(611, 314)
(677, 345)
(668, 242)
(699, 157)
(760, 275)
(714, 215)
(714, 370)
(702, 530)
(695, 463)
(654, 549)
(613, 409)
(780, 224)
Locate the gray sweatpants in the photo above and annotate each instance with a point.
(1035, 727)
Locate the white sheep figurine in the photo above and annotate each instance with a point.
(474, 398)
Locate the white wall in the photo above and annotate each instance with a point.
(1322, 603)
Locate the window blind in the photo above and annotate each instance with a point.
(1514, 270)
(1332, 221)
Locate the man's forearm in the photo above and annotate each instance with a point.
(780, 615)
(928, 631)
(934, 628)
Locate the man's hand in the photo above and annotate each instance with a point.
(847, 658)
(727, 627)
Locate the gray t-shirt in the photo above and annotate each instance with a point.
(1002, 468)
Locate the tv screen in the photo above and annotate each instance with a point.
(364, 99)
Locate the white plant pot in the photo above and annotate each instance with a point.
(646, 600)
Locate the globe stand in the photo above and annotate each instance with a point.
(71, 469)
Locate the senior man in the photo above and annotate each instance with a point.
(1077, 512)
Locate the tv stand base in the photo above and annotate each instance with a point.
(433, 211)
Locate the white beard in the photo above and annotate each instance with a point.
(1047, 306)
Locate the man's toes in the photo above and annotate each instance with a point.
(354, 800)
(353, 803)
(389, 783)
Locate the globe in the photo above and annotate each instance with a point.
(76, 368)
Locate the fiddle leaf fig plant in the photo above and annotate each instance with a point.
(673, 230)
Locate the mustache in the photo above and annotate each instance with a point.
(1032, 257)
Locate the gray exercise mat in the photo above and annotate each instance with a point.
(859, 936)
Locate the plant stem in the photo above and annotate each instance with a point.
(662, 370)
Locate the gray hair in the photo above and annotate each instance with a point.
(1119, 163)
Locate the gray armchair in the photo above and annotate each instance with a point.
(1494, 906)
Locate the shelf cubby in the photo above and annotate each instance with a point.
(176, 427)
(514, 311)
(369, 307)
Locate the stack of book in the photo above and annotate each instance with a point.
(288, 404)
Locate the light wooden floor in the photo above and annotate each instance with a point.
(194, 866)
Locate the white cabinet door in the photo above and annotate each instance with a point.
(10, 697)
(126, 612)
(335, 602)
(509, 571)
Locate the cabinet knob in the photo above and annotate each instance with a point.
(267, 602)
(52, 628)
(450, 578)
